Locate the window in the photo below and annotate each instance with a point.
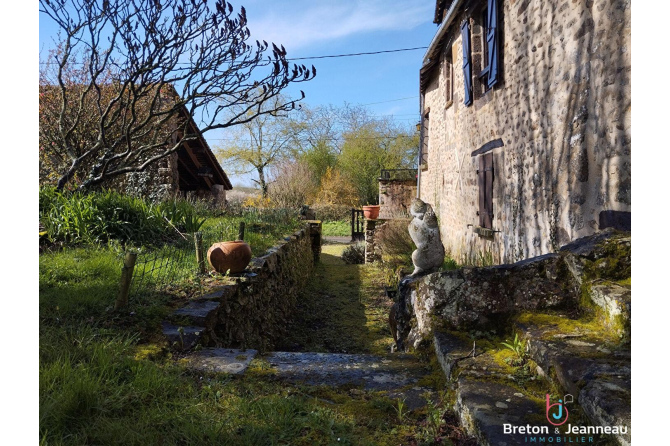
(485, 181)
(423, 161)
(488, 35)
(480, 50)
(448, 77)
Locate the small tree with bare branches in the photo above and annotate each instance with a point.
(126, 75)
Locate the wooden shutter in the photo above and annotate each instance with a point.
(485, 181)
(424, 143)
(492, 42)
(467, 65)
(481, 180)
(488, 170)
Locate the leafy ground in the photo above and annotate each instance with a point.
(106, 377)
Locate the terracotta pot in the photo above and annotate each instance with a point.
(233, 256)
(371, 212)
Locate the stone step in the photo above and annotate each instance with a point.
(221, 360)
(594, 368)
(487, 395)
(201, 313)
(395, 376)
(335, 369)
(613, 300)
(182, 337)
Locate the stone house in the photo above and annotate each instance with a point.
(526, 131)
(191, 172)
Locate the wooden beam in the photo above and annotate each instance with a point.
(488, 146)
(197, 163)
(190, 172)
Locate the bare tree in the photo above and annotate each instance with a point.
(259, 144)
(127, 75)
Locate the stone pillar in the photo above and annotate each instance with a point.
(370, 226)
(315, 235)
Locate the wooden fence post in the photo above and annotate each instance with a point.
(199, 252)
(126, 278)
(240, 233)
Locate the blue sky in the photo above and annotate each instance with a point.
(317, 28)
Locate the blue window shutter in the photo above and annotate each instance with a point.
(467, 65)
(492, 42)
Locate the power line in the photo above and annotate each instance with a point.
(391, 100)
(327, 139)
(308, 57)
(360, 54)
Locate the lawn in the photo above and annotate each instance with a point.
(106, 377)
(338, 228)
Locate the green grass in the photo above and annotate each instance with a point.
(343, 309)
(107, 378)
(339, 228)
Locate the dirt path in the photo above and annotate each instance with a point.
(343, 309)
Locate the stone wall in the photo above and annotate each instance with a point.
(481, 298)
(256, 310)
(158, 182)
(562, 110)
(395, 198)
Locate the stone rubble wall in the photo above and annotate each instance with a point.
(256, 310)
(395, 198)
(480, 297)
(563, 112)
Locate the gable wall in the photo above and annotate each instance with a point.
(562, 110)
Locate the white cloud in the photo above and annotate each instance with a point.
(299, 24)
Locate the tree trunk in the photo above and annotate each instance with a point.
(262, 183)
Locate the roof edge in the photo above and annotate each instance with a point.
(441, 31)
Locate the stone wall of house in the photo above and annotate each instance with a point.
(562, 110)
(395, 198)
(256, 310)
(158, 182)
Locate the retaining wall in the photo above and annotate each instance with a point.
(255, 311)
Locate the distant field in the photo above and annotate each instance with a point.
(336, 228)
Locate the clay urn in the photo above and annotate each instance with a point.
(232, 255)
(371, 212)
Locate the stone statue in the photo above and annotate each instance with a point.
(425, 233)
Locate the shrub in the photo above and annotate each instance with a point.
(332, 212)
(293, 185)
(336, 189)
(354, 254)
(97, 217)
(394, 243)
(336, 228)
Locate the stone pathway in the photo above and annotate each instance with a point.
(396, 376)
(590, 362)
(335, 239)
(393, 375)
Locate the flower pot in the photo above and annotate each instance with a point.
(371, 212)
(233, 256)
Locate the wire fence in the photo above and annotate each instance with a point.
(157, 268)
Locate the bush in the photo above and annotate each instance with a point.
(354, 254)
(337, 228)
(98, 217)
(394, 243)
(293, 185)
(332, 212)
